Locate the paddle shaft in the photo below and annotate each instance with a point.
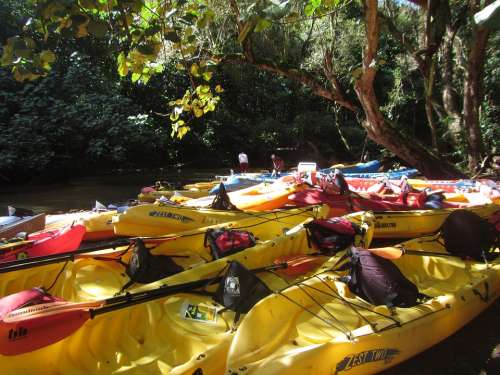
(120, 302)
(429, 253)
(56, 258)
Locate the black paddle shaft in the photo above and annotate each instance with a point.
(56, 258)
(130, 299)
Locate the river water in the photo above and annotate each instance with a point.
(466, 352)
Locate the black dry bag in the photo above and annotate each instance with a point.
(221, 200)
(239, 289)
(224, 242)
(468, 234)
(377, 280)
(144, 267)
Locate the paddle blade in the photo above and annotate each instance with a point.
(32, 319)
(387, 252)
(18, 336)
(299, 264)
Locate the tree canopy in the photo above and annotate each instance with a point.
(394, 70)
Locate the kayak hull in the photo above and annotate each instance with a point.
(359, 338)
(160, 219)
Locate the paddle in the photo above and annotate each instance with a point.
(46, 319)
(300, 264)
(80, 253)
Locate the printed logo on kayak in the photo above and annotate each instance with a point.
(18, 334)
(385, 225)
(170, 215)
(357, 359)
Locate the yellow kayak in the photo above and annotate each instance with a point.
(158, 337)
(201, 185)
(261, 197)
(319, 327)
(160, 219)
(191, 245)
(410, 224)
(99, 226)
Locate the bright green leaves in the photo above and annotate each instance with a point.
(144, 34)
(194, 104)
(141, 61)
(311, 7)
(202, 70)
(179, 129)
(262, 25)
(320, 7)
(195, 70)
(122, 64)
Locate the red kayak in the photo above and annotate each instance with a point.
(343, 204)
(44, 243)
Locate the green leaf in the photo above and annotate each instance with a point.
(262, 24)
(195, 70)
(47, 56)
(207, 76)
(122, 65)
(309, 10)
(198, 112)
(136, 77)
(182, 131)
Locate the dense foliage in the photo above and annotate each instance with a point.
(132, 83)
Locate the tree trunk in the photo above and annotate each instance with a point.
(429, 107)
(380, 130)
(449, 94)
(473, 90)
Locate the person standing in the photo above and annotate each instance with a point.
(243, 159)
(278, 164)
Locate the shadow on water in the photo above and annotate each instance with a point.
(82, 193)
(465, 352)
